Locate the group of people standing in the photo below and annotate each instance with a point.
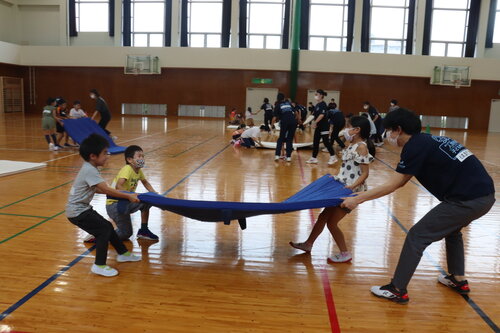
(56, 111)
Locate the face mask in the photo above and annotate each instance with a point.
(92, 96)
(391, 140)
(140, 163)
(317, 97)
(347, 135)
(365, 107)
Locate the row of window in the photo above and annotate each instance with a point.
(328, 24)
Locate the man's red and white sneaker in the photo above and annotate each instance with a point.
(461, 287)
(391, 293)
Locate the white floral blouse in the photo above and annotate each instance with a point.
(350, 170)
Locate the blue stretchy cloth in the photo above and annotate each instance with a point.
(80, 129)
(324, 192)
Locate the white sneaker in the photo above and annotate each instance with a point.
(333, 159)
(114, 138)
(288, 159)
(312, 160)
(127, 256)
(51, 146)
(340, 258)
(276, 158)
(103, 270)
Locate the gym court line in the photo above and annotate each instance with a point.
(47, 282)
(325, 280)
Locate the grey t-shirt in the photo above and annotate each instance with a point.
(83, 190)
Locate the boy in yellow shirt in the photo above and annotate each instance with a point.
(127, 180)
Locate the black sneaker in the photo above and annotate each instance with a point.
(461, 287)
(391, 293)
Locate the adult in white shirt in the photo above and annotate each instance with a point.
(252, 136)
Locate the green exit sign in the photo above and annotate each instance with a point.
(262, 81)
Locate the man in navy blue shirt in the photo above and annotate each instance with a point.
(288, 118)
(453, 175)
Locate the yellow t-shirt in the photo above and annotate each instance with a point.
(131, 180)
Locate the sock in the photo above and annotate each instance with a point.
(344, 253)
(101, 266)
(127, 254)
(47, 137)
(54, 139)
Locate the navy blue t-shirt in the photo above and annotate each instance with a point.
(284, 112)
(268, 108)
(445, 168)
(321, 109)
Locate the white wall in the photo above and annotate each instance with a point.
(7, 21)
(92, 38)
(310, 61)
(39, 25)
(494, 52)
(10, 53)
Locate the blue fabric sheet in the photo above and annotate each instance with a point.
(324, 192)
(80, 129)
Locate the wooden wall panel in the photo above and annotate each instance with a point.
(228, 87)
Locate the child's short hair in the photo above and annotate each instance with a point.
(76, 102)
(130, 152)
(242, 126)
(93, 144)
(50, 100)
(263, 128)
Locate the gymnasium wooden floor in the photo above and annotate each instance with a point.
(209, 277)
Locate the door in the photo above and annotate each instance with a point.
(255, 99)
(330, 94)
(494, 116)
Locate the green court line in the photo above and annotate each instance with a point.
(22, 215)
(36, 194)
(33, 226)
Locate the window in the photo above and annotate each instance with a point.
(496, 31)
(92, 15)
(147, 22)
(328, 25)
(204, 23)
(265, 19)
(449, 27)
(388, 26)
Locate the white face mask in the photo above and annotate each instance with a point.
(139, 163)
(391, 140)
(317, 97)
(92, 96)
(365, 107)
(347, 135)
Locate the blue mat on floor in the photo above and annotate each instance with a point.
(80, 129)
(324, 192)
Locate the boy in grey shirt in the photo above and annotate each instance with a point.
(94, 150)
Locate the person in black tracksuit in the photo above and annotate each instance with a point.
(268, 113)
(288, 118)
(321, 129)
(301, 109)
(102, 108)
(337, 122)
(377, 119)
